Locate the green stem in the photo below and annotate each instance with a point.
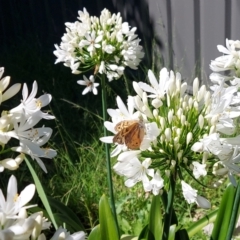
(169, 208)
(107, 151)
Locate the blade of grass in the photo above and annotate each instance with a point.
(41, 193)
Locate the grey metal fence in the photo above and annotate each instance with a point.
(182, 33)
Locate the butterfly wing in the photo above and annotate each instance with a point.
(134, 137)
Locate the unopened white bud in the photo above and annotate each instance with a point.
(201, 93)
(155, 113)
(195, 105)
(171, 88)
(38, 226)
(170, 115)
(178, 131)
(190, 102)
(189, 137)
(183, 88)
(195, 86)
(183, 119)
(207, 98)
(176, 140)
(184, 105)
(179, 113)
(162, 122)
(173, 163)
(157, 103)
(185, 160)
(167, 173)
(179, 155)
(168, 134)
(201, 121)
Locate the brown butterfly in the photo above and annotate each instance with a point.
(130, 132)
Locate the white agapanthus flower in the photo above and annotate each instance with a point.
(105, 45)
(90, 84)
(63, 234)
(191, 196)
(19, 123)
(230, 60)
(17, 224)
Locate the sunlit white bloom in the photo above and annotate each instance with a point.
(32, 105)
(10, 163)
(157, 183)
(199, 169)
(91, 86)
(191, 196)
(104, 44)
(34, 150)
(63, 234)
(135, 171)
(229, 61)
(13, 203)
(4, 82)
(157, 89)
(91, 41)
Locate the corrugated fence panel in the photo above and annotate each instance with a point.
(212, 32)
(158, 10)
(183, 38)
(235, 20)
(186, 32)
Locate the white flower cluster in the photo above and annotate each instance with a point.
(104, 44)
(181, 133)
(230, 61)
(17, 224)
(19, 123)
(224, 111)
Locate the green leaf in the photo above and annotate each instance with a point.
(128, 237)
(172, 232)
(108, 226)
(200, 224)
(155, 218)
(182, 234)
(224, 213)
(66, 215)
(144, 233)
(235, 213)
(41, 193)
(95, 234)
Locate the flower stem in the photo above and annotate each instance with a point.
(169, 207)
(107, 151)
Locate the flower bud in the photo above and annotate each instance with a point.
(183, 89)
(189, 137)
(170, 115)
(168, 134)
(157, 103)
(200, 121)
(162, 122)
(183, 120)
(155, 113)
(201, 93)
(195, 86)
(190, 102)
